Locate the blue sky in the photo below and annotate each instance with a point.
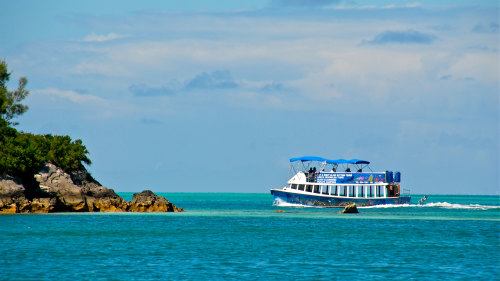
(194, 96)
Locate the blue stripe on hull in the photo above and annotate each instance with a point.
(314, 200)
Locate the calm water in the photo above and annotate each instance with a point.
(241, 237)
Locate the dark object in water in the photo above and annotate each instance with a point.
(350, 209)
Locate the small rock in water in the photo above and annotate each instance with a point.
(350, 209)
(147, 201)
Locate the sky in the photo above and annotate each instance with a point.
(217, 96)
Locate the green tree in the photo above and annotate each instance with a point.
(65, 153)
(20, 154)
(10, 101)
(24, 154)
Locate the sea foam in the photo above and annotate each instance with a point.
(280, 203)
(447, 205)
(444, 205)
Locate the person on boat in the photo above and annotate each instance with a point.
(360, 171)
(334, 170)
(310, 174)
(348, 169)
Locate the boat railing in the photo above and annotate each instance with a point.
(406, 192)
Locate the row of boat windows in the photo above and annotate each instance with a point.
(343, 190)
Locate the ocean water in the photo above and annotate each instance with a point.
(242, 237)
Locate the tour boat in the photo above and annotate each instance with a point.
(318, 181)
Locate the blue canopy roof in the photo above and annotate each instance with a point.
(329, 161)
(358, 161)
(351, 161)
(308, 158)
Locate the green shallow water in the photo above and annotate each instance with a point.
(241, 237)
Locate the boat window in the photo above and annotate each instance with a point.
(309, 188)
(336, 191)
(352, 191)
(325, 189)
(342, 190)
(316, 188)
(361, 191)
(301, 187)
(294, 186)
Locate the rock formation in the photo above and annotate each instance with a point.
(57, 191)
(78, 191)
(11, 194)
(147, 201)
(350, 209)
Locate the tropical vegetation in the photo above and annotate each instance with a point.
(23, 154)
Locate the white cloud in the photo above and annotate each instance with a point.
(71, 95)
(360, 73)
(356, 6)
(481, 65)
(91, 106)
(320, 60)
(93, 37)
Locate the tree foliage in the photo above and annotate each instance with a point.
(20, 155)
(65, 153)
(10, 101)
(24, 154)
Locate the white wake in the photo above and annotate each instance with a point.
(280, 203)
(444, 205)
(447, 205)
(387, 206)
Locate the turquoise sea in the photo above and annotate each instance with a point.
(242, 237)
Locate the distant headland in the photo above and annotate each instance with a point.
(45, 173)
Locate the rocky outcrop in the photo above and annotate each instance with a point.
(57, 191)
(350, 209)
(147, 201)
(11, 194)
(78, 192)
(58, 184)
(40, 205)
(102, 199)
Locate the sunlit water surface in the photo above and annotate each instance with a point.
(242, 237)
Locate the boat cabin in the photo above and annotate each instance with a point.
(326, 177)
